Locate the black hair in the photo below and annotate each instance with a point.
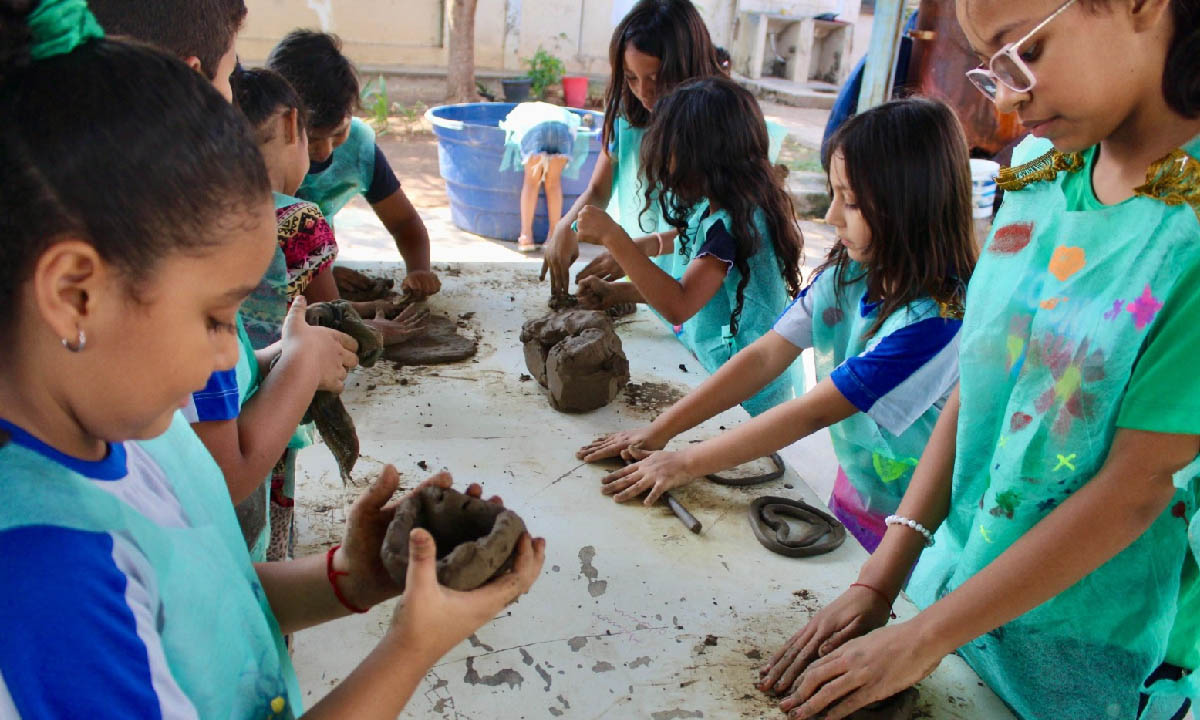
(1181, 76)
(261, 94)
(723, 58)
(907, 164)
(204, 29)
(119, 145)
(708, 140)
(325, 79)
(673, 32)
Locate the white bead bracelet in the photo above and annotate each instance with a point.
(912, 524)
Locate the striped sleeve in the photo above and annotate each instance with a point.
(80, 617)
(903, 374)
(217, 401)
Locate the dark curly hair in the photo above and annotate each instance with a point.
(673, 32)
(708, 140)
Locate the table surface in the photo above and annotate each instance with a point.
(633, 616)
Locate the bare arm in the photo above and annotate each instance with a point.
(563, 248)
(401, 219)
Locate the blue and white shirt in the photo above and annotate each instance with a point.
(898, 378)
(126, 590)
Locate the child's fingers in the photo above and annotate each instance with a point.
(656, 491)
(348, 343)
(474, 490)
(295, 314)
(637, 452)
(422, 560)
(618, 474)
(442, 480)
(379, 492)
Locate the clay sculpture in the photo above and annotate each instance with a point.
(577, 356)
(825, 533)
(475, 538)
(358, 287)
(439, 343)
(326, 410)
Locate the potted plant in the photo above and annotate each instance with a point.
(516, 90)
(545, 70)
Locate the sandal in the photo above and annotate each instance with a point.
(525, 244)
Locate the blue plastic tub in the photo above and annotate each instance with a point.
(484, 200)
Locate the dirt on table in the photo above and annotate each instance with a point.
(653, 397)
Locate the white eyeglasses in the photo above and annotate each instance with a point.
(1007, 67)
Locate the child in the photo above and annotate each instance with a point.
(546, 140)
(658, 44)
(301, 266)
(1061, 538)
(200, 32)
(345, 159)
(121, 554)
(882, 315)
(739, 245)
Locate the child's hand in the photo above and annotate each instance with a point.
(618, 444)
(421, 284)
(604, 267)
(596, 294)
(432, 619)
(558, 254)
(856, 612)
(368, 581)
(593, 225)
(330, 351)
(654, 472)
(408, 324)
(863, 671)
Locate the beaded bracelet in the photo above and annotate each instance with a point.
(912, 524)
(333, 576)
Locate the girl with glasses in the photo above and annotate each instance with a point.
(1056, 491)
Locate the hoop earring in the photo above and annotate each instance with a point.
(80, 343)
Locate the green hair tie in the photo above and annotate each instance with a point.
(60, 26)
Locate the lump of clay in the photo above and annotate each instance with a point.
(475, 538)
(577, 356)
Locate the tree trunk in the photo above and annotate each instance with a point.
(460, 75)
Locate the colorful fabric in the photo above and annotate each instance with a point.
(898, 379)
(127, 591)
(1060, 310)
(708, 333)
(57, 27)
(350, 171)
(847, 505)
(283, 508)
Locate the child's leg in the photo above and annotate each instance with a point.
(554, 195)
(529, 193)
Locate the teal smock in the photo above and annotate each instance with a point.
(220, 638)
(349, 174)
(248, 380)
(708, 334)
(1057, 315)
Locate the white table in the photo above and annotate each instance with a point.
(616, 627)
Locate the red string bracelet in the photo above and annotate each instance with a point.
(333, 576)
(875, 590)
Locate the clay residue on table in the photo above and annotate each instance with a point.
(653, 397)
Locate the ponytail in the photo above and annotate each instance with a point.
(1181, 76)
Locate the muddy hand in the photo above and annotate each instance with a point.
(558, 254)
(855, 612)
(332, 352)
(595, 294)
(604, 267)
(420, 284)
(431, 619)
(618, 443)
(408, 324)
(654, 473)
(865, 670)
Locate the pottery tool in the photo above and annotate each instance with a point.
(689, 520)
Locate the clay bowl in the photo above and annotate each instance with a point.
(475, 538)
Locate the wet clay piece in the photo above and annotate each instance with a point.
(439, 344)
(358, 287)
(737, 478)
(475, 538)
(577, 356)
(767, 519)
(900, 706)
(326, 410)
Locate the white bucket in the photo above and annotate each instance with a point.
(983, 186)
